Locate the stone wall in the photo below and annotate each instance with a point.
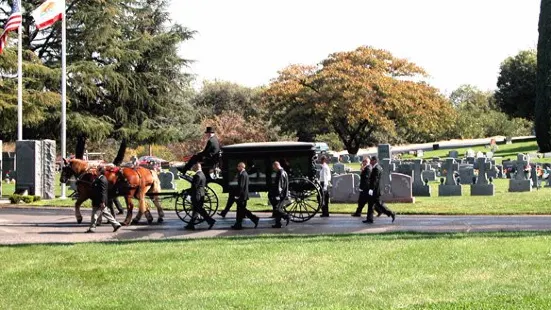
(36, 167)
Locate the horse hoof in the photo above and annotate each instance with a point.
(160, 220)
(125, 224)
(150, 221)
(79, 221)
(134, 222)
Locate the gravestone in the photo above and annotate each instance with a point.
(419, 187)
(346, 159)
(8, 164)
(167, 180)
(339, 168)
(534, 176)
(466, 175)
(483, 187)
(384, 151)
(405, 168)
(401, 185)
(344, 188)
(500, 173)
(508, 140)
(470, 153)
(386, 179)
(449, 187)
(36, 167)
(175, 172)
(520, 182)
(453, 154)
(420, 153)
(429, 175)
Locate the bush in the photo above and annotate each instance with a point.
(15, 199)
(37, 198)
(27, 199)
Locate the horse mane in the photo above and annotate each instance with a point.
(78, 166)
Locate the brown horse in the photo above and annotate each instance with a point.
(128, 181)
(136, 183)
(84, 174)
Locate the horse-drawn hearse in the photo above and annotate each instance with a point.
(297, 158)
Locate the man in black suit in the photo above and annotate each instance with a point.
(210, 154)
(197, 194)
(279, 194)
(241, 196)
(364, 187)
(374, 193)
(99, 201)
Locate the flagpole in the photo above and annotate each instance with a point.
(20, 81)
(63, 91)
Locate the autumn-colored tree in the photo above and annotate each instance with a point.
(359, 95)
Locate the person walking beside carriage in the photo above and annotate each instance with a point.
(210, 154)
(197, 193)
(364, 187)
(241, 196)
(279, 194)
(99, 201)
(325, 180)
(374, 192)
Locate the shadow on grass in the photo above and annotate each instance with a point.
(312, 238)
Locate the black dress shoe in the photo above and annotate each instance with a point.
(255, 221)
(379, 214)
(276, 225)
(189, 227)
(236, 227)
(211, 224)
(393, 216)
(117, 228)
(368, 221)
(356, 215)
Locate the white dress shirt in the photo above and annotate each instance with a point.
(325, 175)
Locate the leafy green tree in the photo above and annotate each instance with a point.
(478, 116)
(543, 87)
(125, 76)
(516, 94)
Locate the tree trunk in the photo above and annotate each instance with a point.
(150, 150)
(543, 80)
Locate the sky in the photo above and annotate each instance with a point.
(456, 41)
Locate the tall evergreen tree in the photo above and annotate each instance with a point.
(125, 76)
(543, 79)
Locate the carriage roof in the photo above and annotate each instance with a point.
(261, 147)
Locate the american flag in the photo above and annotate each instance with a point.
(13, 23)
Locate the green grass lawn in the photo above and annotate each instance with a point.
(395, 271)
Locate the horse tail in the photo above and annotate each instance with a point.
(156, 187)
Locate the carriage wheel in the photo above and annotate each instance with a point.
(183, 205)
(305, 200)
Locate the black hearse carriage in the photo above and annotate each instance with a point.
(297, 158)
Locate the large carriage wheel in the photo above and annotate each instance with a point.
(184, 208)
(306, 200)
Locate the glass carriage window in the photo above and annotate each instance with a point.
(256, 168)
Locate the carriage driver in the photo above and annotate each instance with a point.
(210, 155)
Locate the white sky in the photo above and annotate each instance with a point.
(456, 41)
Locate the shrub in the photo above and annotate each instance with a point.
(15, 199)
(27, 199)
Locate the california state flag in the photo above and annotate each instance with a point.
(48, 13)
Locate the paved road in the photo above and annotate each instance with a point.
(47, 225)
